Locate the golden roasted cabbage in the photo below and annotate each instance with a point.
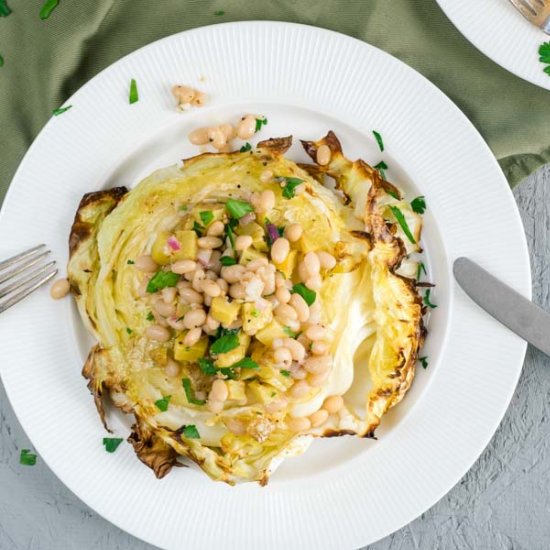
(373, 314)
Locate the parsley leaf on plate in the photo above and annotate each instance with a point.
(421, 268)
(403, 223)
(419, 205)
(427, 301)
(4, 9)
(27, 458)
(134, 95)
(111, 443)
(259, 123)
(379, 140)
(306, 293)
(150, 316)
(190, 432)
(162, 404)
(245, 148)
(424, 362)
(61, 110)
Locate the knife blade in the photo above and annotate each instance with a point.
(506, 305)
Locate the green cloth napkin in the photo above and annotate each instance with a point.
(45, 61)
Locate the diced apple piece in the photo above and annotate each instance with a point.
(224, 311)
(189, 353)
(269, 333)
(236, 354)
(255, 319)
(287, 267)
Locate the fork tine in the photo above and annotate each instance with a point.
(527, 12)
(21, 267)
(15, 259)
(18, 283)
(32, 286)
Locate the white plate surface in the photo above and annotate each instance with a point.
(344, 492)
(500, 31)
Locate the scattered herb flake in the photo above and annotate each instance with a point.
(61, 110)
(48, 8)
(111, 443)
(190, 394)
(150, 316)
(245, 363)
(198, 229)
(227, 260)
(285, 373)
(162, 279)
(379, 140)
(183, 208)
(207, 216)
(237, 208)
(424, 362)
(306, 293)
(225, 343)
(229, 373)
(403, 223)
(259, 123)
(392, 194)
(230, 235)
(419, 205)
(190, 432)
(130, 262)
(427, 300)
(207, 366)
(255, 313)
(1, 61)
(421, 268)
(27, 458)
(4, 9)
(544, 53)
(382, 167)
(289, 332)
(289, 190)
(129, 330)
(245, 148)
(162, 404)
(219, 12)
(134, 95)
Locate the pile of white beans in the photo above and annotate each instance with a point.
(306, 358)
(220, 137)
(188, 97)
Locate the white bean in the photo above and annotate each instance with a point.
(172, 368)
(280, 250)
(192, 337)
(246, 127)
(317, 380)
(323, 155)
(256, 264)
(293, 232)
(266, 176)
(200, 99)
(215, 406)
(228, 131)
(194, 318)
(298, 374)
(224, 287)
(298, 424)
(333, 404)
(319, 417)
(211, 323)
(327, 261)
(183, 94)
(236, 426)
(302, 272)
(299, 389)
(282, 294)
(237, 291)
(296, 349)
(169, 294)
(219, 391)
(198, 278)
(267, 200)
(315, 282)
(190, 296)
(285, 313)
(283, 357)
(215, 229)
(199, 136)
(210, 288)
(233, 273)
(276, 405)
(158, 333)
(318, 365)
(312, 263)
(301, 307)
(209, 242)
(316, 332)
(242, 242)
(216, 137)
(318, 348)
(164, 309)
(60, 289)
(279, 280)
(146, 263)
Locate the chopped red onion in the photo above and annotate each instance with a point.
(247, 218)
(173, 243)
(203, 256)
(273, 232)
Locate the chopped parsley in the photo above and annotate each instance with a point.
(111, 443)
(306, 293)
(245, 148)
(424, 362)
(419, 205)
(27, 458)
(544, 56)
(245, 363)
(150, 316)
(130, 262)
(237, 208)
(227, 260)
(4, 9)
(162, 279)
(219, 12)
(421, 268)
(190, 432)
(198, 229)
(229, 232)
(285, 373)
(134, 95)
(229, 373)
(183, 208)
(207, 366)
(190, 394)
(48, 8)
(289, 332)
(225, 343)
(289, 190)
(255, 313)
(392, 194)
(259, 123)
(379, 139)
(403, 223)
(61, 110)
(1, 61)
(207, 216)
(162, 404)
(382, 167)
(129, 330)
(427, 300)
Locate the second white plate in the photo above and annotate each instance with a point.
(343, 493)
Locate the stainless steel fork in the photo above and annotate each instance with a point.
(23, 274)
(536, 11)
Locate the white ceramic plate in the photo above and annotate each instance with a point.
(497, 29)
(343, 493)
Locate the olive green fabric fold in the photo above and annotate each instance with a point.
(46, 61)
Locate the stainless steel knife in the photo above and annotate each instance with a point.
(505, 304)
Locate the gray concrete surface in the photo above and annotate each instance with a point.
(502, 503)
